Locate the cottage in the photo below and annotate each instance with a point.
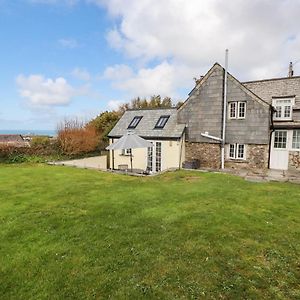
(158, 126)
(262, 126)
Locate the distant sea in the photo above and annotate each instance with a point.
(28, 131)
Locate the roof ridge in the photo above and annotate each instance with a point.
(150, 108)
(271, 79)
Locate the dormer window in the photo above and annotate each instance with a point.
(283, 108)
(162, 121)
(237, 110)
(135, 121)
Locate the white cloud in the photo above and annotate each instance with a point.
(81, 74)
(114, 104)
(261, 35)
(69, 43)
(163, 79)
(118, 72)
(45, 92)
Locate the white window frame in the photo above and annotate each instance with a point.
(158, 156)
(230, 104)
(237, 105)
(238, 112)
(280, 106)
(281, 141)
(297, 137)
(236, 149)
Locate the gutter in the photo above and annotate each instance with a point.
(272, 110)
(180, 157)
(224, 112)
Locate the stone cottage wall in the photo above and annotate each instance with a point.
(294, 160)
(209, 155)
(256, 159)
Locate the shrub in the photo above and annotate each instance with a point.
(40, 141)
(75, 137)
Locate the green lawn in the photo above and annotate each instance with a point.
(67, 233)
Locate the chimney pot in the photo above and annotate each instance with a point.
(291, 71)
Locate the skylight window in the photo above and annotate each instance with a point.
(162, 122)
(135, 121)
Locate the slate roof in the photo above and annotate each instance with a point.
(145, 128)
(286, 124)
(267, 89)
(8, 138)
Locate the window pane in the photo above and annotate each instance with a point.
(232, 150)
(242, 109)
(280, 139)
(150, 159)
(283, 101)
(278, 112)
(162, 122)
(135, 121)
(158, 157)
(241, 151)
(296, 139)
(232, 110)
(287, 111)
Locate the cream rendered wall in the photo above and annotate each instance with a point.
(171, 150)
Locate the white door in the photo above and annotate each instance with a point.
(279, 159)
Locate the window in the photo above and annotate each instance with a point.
(237, 110)
(135, 121)
(126, 151)
(150, 159)
(240, 151)
(232, 110)
(158, 157)
(283, 109)
(237, 151)
(242, 110)
(162, 122)
(278, 112)
(232, 151)
(280, 138)
(296, 139)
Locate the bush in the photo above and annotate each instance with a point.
(34, 154)
(40, 141)
(74, 137)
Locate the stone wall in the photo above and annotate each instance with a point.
(208, 154)
(294, 160)
(256, 159)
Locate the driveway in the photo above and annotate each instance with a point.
(95, 162)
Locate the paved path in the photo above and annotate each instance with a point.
(95, 162)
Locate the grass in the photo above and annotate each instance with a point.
(68, 233)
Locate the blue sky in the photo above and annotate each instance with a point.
(76, 58)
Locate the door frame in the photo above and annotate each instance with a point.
(283, 151)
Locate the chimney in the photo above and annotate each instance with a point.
(291, 71)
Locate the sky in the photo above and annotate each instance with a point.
(76, 58)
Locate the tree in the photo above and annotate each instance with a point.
(166, 102)
(104, 123)
(75, 137)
